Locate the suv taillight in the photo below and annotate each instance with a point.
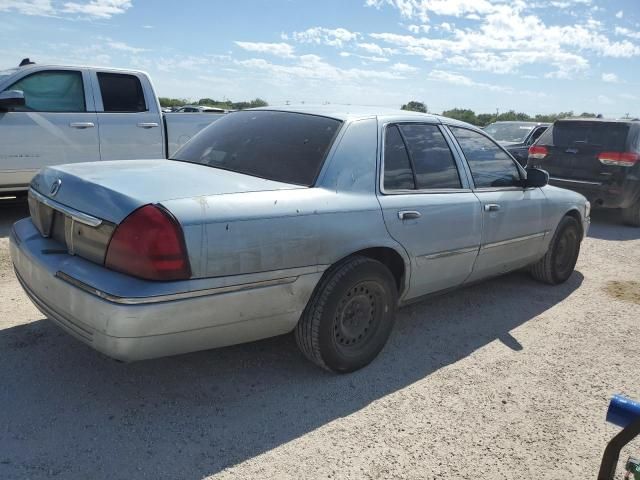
(619, 159)
(149, 244)
(538, 152)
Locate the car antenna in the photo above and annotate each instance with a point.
(26, 61)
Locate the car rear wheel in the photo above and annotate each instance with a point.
(560, 260)
(631, 215)
(349, 316)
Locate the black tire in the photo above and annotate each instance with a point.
(631, 215)
(349, 316)
(560, 260)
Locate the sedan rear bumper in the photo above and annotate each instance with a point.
(137, 326)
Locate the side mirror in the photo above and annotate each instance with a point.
(11, 99)
(536, 178)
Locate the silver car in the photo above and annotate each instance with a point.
(321, 221)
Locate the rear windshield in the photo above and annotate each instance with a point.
(509, 132)
(281, 146)
(606, 136)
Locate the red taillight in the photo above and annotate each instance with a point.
(538, 152)
(149, 244)
(619, 159)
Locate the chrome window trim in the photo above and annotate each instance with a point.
(71, 212)
(460, 168)
(514, 240)
(582, 182)
(172, 296)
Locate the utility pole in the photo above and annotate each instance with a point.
(497, 113)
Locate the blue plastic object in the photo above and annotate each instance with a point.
(622, 411)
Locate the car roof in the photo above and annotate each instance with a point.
(45, 66)
(523, 122)
(599, 120)
(356, 112)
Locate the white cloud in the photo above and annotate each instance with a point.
(123, 47)
(336, 37)
(28, 7)
(98, 8)
(627, 33)
(278, 49)
(420, 9)
(91, 9)
(457, 79)
(620, 14)
(604, 100)
(403, 68)
(609, 77)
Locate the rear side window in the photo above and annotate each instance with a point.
(433, 162)
(398, 174)
(281, 146)
(52, 91)
(601, 135)
(490, 165)
(121, 93)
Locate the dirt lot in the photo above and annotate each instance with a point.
(507, 379)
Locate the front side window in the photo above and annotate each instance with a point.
(52, 91)
(431, 157)
(121, 93)
(281, 146)
(490, 165)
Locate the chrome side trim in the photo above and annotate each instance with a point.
(71, 212)
(583, 182)
(448, 253)
(173, 296)
(514, 240)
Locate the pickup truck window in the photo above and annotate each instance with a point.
(281, 146)
(490, 165)
(430, 155)
(52, 91)
(121, 93)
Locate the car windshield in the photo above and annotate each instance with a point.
(280, 146)
(509, 132)
(4, 74)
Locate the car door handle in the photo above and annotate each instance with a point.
(408, 215)
(81, 125)
(491, 207)
(148, 125)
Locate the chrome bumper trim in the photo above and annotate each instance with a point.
(514, 240)
(71, 212)
(173, 296)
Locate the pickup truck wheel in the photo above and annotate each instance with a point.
(349, 316)
(631, 215)
(560, 260)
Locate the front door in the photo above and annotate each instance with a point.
(428, 207)
(513, 217)
(53, 127)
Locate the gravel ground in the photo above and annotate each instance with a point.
(505, 379)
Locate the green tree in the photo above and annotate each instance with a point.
(462, 114)
(415, 106)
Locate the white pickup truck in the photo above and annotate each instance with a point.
(52, 114)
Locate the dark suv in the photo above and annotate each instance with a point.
(596, 157)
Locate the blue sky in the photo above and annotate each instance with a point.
(537, 56)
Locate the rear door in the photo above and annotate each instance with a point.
(513, 217)
(428, 206)
(55, 126)
(128, 116)
(573, 147)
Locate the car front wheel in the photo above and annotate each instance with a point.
(349, 316)
(560, 260)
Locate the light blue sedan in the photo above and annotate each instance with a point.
(321, 221)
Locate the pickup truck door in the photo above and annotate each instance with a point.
(428, 206)
(129, 118)
(513, 226)
(56, 125)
